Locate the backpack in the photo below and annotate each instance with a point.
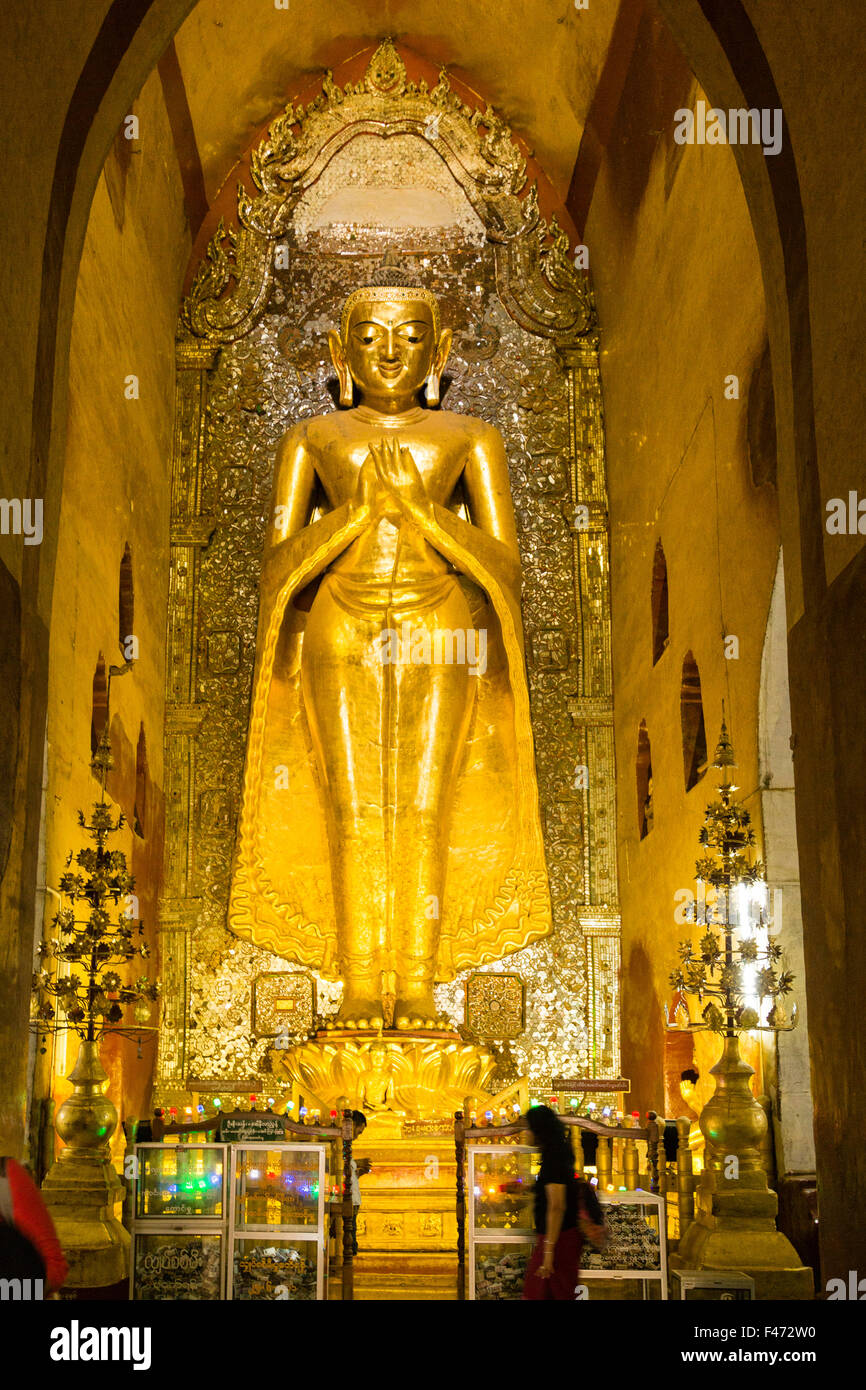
(19, 1258)
(590, 1215)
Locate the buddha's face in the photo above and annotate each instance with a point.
(389, 351)
(377, 1057)
(390, 347)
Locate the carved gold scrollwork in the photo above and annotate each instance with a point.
(539, 285)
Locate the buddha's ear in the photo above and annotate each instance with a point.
(341, 366)
(443, 348)
(442, 351)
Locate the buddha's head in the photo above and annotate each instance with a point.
(688, 1084)
(390, 343)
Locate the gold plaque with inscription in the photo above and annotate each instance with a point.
(283, 1002)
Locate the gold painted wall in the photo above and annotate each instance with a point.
(117, 492)
(681, 303)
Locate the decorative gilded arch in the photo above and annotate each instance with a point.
(536, 279)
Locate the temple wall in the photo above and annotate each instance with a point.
(827, 644)
(681, 308)
(31, 120)
(790, 1081)
(116, 492)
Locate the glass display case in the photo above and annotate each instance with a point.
(177, 1266)
(497, 1269)
(179, 1222)
(499, 1227)
(636, 1241)
(242, 1221)
(277, 1221)
(183, 1182)
(264, 1270)
(712, 1286)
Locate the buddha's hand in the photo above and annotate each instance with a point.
(397, 471)
(366, 497)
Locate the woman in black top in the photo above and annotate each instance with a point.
(565, 1209)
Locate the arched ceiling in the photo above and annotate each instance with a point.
(538, 62)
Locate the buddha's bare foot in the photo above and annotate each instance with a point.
(416, 1013)
(358, 1012)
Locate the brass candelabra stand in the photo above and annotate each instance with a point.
(737, 974)
(95, 939)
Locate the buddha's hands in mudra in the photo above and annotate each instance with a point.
(390, 484)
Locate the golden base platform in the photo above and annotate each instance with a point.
(409, 1084)
(421, 1073)
(396, 1278)
(408, 1198)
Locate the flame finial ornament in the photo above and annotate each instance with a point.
(724, 748)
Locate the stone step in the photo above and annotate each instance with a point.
(397, 1276)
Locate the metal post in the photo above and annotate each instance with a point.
(603, 1164)
(577, 1137)
(655, 1129)
(630, 1165)
(685, 1176)
(460, 1154)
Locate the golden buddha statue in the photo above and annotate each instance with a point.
(389, 829)
(377, 1091)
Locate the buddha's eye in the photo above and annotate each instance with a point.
(367, 334)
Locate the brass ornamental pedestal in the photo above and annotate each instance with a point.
(82, 1188)
(735, 1210)
(741, 977)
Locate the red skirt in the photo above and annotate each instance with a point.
(562, 1283)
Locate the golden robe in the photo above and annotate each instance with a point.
(496, 896)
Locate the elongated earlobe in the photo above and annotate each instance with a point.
(433, 381)
(346, 391)
(341, 366)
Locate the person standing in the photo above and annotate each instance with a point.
(566, 1208)
(29, 1247)
(360, 1168)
